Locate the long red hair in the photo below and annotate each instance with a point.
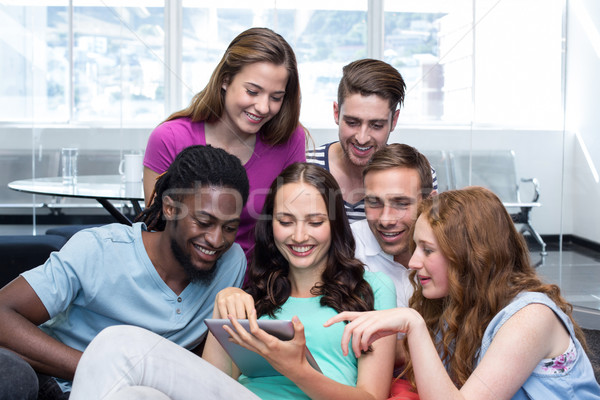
(488, 265)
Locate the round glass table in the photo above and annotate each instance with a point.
(102, 188)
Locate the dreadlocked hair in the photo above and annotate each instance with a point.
(342, 285)
(194, 167)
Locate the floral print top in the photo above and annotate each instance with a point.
(560, 364)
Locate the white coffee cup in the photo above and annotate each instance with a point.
(132, 189)
(131, 167)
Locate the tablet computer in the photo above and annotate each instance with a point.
(250, 363)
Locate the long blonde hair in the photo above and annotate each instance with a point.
(488, 265)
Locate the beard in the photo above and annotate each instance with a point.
(193, 274)
(358, 162)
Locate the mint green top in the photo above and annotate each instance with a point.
(323, 343)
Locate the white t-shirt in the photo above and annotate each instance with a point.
(375, 259)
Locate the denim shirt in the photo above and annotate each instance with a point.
(578, 383)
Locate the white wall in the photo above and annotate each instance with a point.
(583, 115)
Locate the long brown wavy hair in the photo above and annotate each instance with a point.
(342, 285)
(251, 46)
(488, 265)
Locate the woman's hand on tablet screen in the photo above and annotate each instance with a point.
(235, 302)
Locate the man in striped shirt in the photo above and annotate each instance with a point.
(370, 94)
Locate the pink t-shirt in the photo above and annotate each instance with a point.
(169, 138)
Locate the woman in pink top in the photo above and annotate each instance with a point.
(250, 107)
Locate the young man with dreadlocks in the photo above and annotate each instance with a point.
(161, 274)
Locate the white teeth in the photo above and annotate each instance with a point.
(253, 117)
(207, 252)
(390, 234)
(301, 249)
(363, 148)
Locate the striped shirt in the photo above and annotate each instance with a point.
(356, 211)
(320, 157)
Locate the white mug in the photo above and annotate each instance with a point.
(131, 167)
(132, 189)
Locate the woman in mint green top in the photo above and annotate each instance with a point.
(304, 270)
(323, 343)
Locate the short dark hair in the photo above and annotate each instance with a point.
(195, 166)
(400, 155)
(368, 77)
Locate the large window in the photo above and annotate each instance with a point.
(93, 63)
(105, 62)
(324, 40)
(488, 62)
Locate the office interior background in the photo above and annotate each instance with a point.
(516, 75)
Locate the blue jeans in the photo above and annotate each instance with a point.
(18, 380)
(48, 389)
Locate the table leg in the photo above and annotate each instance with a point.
(136, 207)
(114, 212)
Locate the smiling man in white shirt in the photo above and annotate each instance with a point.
(396, 179)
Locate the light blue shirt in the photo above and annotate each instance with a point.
(577, 383)
(103, 277)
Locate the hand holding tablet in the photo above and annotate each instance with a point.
(250, 363)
